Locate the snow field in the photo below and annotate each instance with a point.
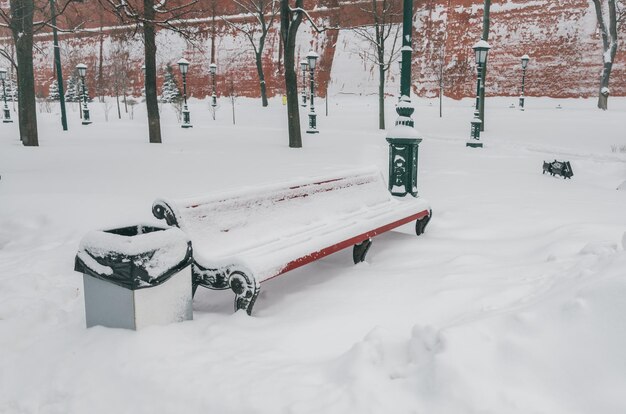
(512, 302)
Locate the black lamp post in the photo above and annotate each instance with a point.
(480, 49)
(312, 57)
(525, 60)
(7, 114)
(400, 72)
(82, 71)
(403, 139)
(183, 64)
(143, 69)
(304, 65)
(213, 70)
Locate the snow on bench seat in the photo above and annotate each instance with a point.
(241, 238)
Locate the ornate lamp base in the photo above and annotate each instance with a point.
(312, 124)
(7, 115)
(186, 119)
(403, 154)
(474, 144)
(86, 119)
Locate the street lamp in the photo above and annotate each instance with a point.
(183, 64)
(82, 71)
(213, 70)
(525, 60)
(403, 139)
(7, 114)
(481, 49)
(311, 58)
(304, 65)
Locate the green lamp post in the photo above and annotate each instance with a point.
(403, 139)
(7, 113)
(525, 60)
(82, 71)
(213, 70)
(481, 48)
(311, 58)
(183, 65)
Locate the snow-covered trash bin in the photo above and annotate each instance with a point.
(136, 276)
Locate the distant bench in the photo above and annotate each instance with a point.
(242, 238)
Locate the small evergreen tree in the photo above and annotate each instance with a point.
(72, 91)
(53, 91)
(170, 93)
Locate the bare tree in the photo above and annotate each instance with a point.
(263, 14)
(19, 19)
(149, 15)
(290, 20)
(118, 79)
(382, 35)
(440, 77)
(608, 22)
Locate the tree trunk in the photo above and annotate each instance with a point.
(125, 88)
(259, 71)
(22, 30)
(152, 104)
(289, 29)
(381, 96)
(293, 107)
(57, 64)
(603, 95)
(609, 47)
(101, 63)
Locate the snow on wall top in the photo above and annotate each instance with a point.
(560, 36)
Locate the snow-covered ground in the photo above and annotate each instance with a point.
(512, 302)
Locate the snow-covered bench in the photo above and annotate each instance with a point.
(242, 238)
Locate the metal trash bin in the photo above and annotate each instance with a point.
(136, 276)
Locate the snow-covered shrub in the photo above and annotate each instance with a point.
(170, 92)
(53, 91)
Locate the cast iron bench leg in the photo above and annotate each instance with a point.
(245, 287)
(246, 291)
(359, 251)
(420, 225)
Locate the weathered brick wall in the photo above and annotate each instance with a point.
(559, 35)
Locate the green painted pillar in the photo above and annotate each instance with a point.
(403, 139)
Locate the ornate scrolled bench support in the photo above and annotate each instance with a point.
(243, 284)
(420, 225)
(246, 290)
(359, 251)
(163, 211)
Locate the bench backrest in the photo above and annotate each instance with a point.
(232, 220)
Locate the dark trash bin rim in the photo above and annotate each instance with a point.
(123, 262)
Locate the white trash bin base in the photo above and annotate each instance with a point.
(114, 306)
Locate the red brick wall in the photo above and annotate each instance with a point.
(559, 36)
